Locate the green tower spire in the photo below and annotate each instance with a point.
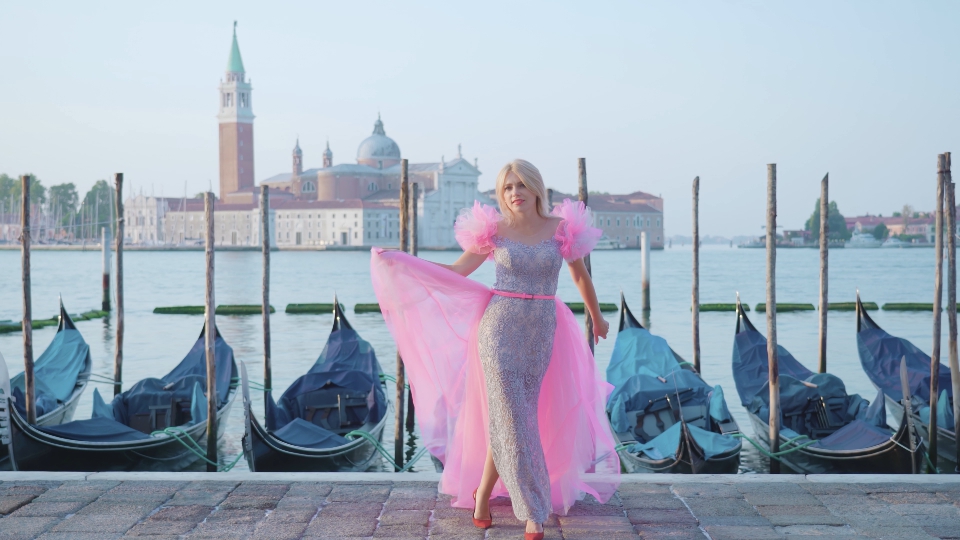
(235, 63)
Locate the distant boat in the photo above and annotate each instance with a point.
(760, 242)
(863, 240)
(894, 242)
(608, 243)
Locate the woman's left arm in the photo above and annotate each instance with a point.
(581, 278)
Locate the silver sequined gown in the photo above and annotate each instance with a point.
(516, 342)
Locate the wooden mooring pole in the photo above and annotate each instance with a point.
(118, 349)
(773, 364)
(937, 306)
(952, 298)
(414, 244)
(210, 336)
(583, 194)
(401, 379)
(265, 243)
(645, 275)
(105, 246)
(695, 305)
(31, 404)
(824, 247)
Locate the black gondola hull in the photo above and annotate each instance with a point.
(268, 454)
(725, 463)
(35, 450)
(264, 452)
(890, 457)
(946, 440)
(62, 414)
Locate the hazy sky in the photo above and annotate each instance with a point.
(652, 94)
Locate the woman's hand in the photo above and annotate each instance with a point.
(600, 329)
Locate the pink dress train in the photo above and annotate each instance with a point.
(435, 317)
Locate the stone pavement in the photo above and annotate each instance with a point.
(407, 506)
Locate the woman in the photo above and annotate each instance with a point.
(507, 394)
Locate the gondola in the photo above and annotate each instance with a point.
(880, 356)
(846, 433)
(305, 431)
(672, 420)
(60, 374)
(144, 429)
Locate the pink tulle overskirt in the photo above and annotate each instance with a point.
(434, 315)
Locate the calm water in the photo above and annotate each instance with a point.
(153, 344)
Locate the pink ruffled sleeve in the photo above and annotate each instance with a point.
(475, 228)
(576, 233)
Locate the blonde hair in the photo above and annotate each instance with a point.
(530, 176)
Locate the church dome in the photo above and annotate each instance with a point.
(378, 150)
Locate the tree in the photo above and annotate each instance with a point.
(96, 209)
(836, 225)
(63, 201)
(10, 187)
(906, 213)
(880, 231)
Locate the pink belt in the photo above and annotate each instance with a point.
(523, 295)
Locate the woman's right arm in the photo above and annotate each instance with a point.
(466, 264)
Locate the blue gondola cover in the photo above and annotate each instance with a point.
(347, 363)
(55, 372)
(666, 445)
(880, 355)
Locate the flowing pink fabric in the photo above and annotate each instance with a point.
(475, 228)
(434, 315)
(576, 233)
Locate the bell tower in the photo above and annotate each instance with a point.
(327, 157)
(236, 125)
(297, 159)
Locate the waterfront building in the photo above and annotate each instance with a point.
(446, 187)
(350, 222)
(623, 217)
(320, 224)
(145, 218)
(920, 227)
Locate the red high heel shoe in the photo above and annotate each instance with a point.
(487, 523)
(533, 536)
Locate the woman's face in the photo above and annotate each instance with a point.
(517, 196)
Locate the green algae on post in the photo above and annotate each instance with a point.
(722, 307)
(908, 306)
(318, 309)
(851, 306)
(783, 308)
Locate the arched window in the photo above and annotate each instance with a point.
(372, 186)
(308, 187)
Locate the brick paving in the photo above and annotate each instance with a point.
(347, 506)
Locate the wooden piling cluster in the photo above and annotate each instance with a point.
(937, 305)
(583, 195)
(401, 378)
(695, 305)
(951, 208)
(118, 350)
(824, 305)
(414, 244)
(105, 248)
(210, 336)
(773, 364)
(28, 380)
(265, 306)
